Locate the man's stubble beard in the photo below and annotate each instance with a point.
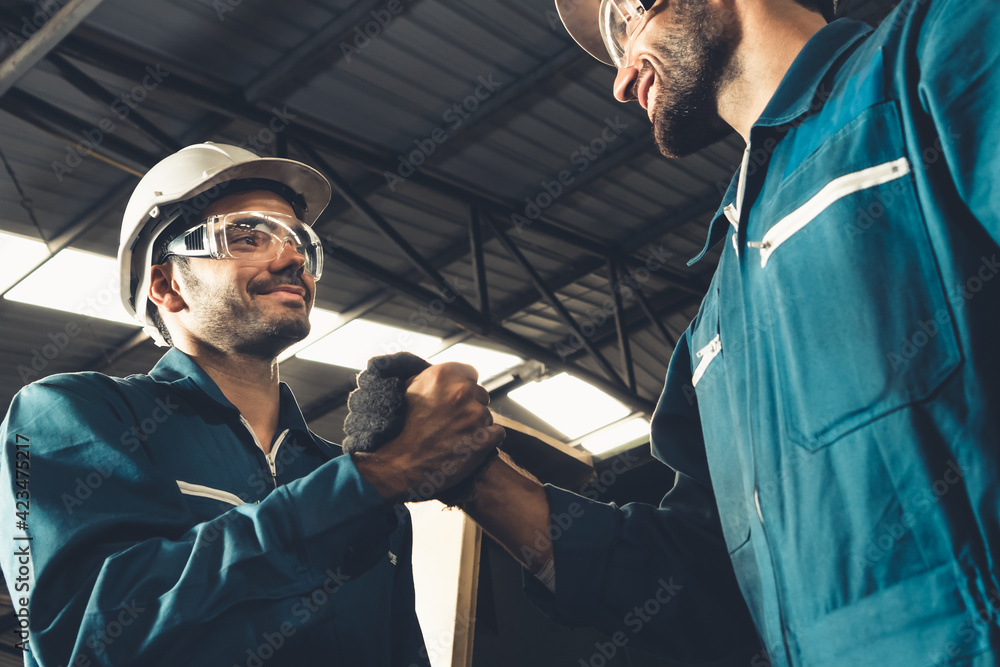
(699, 51)
(230, 324)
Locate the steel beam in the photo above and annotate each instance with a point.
(473, 321)
(314, 133)
(382, 225)
(654, 319)
(118, 351)
(81, 225)
(96, 92)
(664, 303)
(552, 299)
(500, 100)
(69, 128)
(317, 52)
(478, 261)
(623, 344)
(44, 41)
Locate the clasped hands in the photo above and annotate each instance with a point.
(417, 431)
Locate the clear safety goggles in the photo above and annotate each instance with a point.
(251, 236)
(620, 21)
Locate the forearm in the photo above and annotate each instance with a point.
(512, 507)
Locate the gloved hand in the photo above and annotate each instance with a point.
(377, 411)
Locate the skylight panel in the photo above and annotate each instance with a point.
(353, 344)
(322, 322)
(608, 438)
(19, 255)
(489, 363)
(570, 405)
(76, 282)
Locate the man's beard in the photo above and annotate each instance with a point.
(697, 52)
(228, 321)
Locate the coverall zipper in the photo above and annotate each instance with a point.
(833, 191)
(274, 450)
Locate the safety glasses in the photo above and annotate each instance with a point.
(620, 22)
(251, 236)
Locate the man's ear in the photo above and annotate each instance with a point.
(164, 290)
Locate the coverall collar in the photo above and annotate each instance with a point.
(184, 374)
(799, 93)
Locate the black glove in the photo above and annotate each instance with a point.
(377, 412)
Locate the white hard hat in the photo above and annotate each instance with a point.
(580, 18)
(202, 169)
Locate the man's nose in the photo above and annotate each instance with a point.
(623, 83)
(289, 254)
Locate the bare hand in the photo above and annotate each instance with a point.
(448, 433)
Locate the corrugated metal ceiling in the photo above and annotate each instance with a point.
(372, 100)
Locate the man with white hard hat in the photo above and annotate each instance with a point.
(189, 516)
(831, 412)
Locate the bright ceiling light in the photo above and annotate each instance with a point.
(321, 323)
(353, 344)
(19, 254)
(75, 282)
(571, 405)
(489, 363)
(617, 434)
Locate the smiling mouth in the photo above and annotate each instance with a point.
(289, 290)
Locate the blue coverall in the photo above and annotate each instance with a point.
(833, 412)
(160, 533)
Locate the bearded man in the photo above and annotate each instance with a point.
(831, 411)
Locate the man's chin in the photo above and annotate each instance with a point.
(290, 332)
(275, 339)
(678, 140)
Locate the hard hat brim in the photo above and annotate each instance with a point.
(580, 18)
(300, 178)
